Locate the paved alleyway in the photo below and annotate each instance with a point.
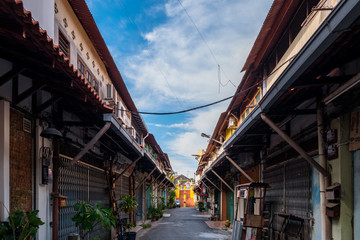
(184, 224)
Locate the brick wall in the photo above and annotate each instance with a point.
(21, 155)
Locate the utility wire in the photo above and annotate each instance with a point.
(212, 103)
(207, 45)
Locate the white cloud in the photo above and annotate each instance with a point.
(190, 141)
(178, 69)
(175, 125)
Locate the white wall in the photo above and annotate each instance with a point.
(42, 191)
(42, 11)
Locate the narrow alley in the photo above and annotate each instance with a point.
(183, 223)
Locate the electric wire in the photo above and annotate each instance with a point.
(208, 47)
(212, 103)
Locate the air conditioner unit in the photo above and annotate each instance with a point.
(232, 122)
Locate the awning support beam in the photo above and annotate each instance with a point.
(88, 146)
(294, 145)
(205, 184)
(222, 180)
(160, 183)
(240, 169)
(141, 183)
(153, 181)
(213, 184)
(127, 168)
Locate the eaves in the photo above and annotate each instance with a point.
(345, 13)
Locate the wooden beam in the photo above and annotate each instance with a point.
(222, 180)
(132, 164)
(29, 92)
(11, 74)
(294, 145)
(159, 183)
(153, 181)
(213, 184)
(240, 169)
(205, 184)
(141, 183)
(47, 104)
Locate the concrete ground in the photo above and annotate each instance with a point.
(184, 224)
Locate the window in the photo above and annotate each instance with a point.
(109, 91)
(81, 67)
(85, 72)
(64, 45)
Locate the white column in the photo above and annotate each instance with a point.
(4, 159)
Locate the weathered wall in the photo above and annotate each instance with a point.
(20, 163)
(341, 173)
(357, 195)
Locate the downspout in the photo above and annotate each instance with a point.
(324, 180)
(55, 194)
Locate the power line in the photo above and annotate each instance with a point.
(207, 45)
(212, 103)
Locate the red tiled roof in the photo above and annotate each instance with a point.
(36, 37)
(85, 17)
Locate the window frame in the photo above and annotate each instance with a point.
(63, 40)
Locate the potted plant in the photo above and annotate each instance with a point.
(128, 204)
(200, 205)
(21, 225)
(88, 216)
(130, 235)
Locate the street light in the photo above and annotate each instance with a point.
(211, 139)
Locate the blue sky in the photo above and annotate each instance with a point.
(168, 52)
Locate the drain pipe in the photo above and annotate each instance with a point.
(88, 146)
(323, 179)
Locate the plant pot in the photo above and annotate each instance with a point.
(130, 235)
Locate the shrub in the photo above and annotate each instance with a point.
(21, 225)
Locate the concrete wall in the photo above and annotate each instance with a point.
(357, 195)
(315, 200)
(342, 173)
(42, 11)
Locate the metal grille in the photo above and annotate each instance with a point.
(81, 183)
(290, 189)
(122, 188)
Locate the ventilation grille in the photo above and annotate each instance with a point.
(27, 125)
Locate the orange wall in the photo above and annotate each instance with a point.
(189, 200)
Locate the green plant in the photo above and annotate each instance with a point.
(128, 203)
(129, 225)
(200, 205)
(21, 226)
(146, 225)
(88, 216)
